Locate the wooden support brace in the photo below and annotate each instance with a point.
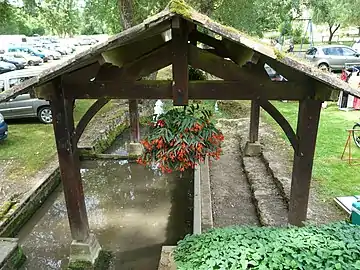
(307, 127)
(254, 122)
(90, 113)
(180, 32)
(63, 123)
(283, 123)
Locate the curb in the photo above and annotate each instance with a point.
(270, 205)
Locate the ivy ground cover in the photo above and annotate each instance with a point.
(333, 246)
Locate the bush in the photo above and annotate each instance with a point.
(333, 246)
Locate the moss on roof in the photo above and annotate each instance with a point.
(180, 7)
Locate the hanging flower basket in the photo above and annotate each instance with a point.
(180, 139)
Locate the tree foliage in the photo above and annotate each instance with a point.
(330, 12)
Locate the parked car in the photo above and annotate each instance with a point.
(30, 60)
(87, 41)
(3, 128)
(18, 62)
(6, 67)
(49, 54)
(31, 51)
(25, 105)
(332, 57)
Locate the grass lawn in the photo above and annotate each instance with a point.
(334, 177)
(31, 144)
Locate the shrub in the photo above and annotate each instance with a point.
(333, 246)
(180, 139)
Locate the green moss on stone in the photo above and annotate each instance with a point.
(6, 206)
(80, 265)
(180, 7)
(279, 55)
(101, 263)
(18, 258)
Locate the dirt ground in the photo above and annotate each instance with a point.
(231, 196)
(277, 151)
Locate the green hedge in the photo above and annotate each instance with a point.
(333, 246)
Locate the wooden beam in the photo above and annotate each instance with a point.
(307, 127)
(63, 123)
(132, 51)
(283, 123)
(207, 40)
(90, 113)
(228, 70)
(254, 122)
(134, 121)
(143, 66)
(146, 89)
(180, 37)
(84, 74)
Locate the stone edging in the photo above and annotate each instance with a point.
(11, 255)
(207, 222)
(50, 179)
(30, 203)
(283, 183)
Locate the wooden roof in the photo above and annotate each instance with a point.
(155, 26)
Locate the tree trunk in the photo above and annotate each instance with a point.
(332, 31)
(126, 13)
(358, 30)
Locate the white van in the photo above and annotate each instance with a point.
(23, 106)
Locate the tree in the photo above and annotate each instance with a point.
(330, 12)
(253, 16)
(352, 15)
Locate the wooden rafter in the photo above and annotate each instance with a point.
(143, 66)
(180, 37)
(228, 70)
(226, 90)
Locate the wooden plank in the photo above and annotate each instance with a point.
(143, 66)
(283, 123)
(147, 89)
(90, 113)
(307, 127)
(254, 121)
(228, 70)
(180, 37)
(134, 121)
(63, 123)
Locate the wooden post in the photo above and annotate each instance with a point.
(63, 123)
(254, 122)
(180, 37)
(134, 121)
(307, 127)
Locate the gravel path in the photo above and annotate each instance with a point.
(231, 196)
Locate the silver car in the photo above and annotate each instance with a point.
(332, 57)
(24, 106)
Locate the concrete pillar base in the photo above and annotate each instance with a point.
(83, 255)
(135, 149)
(252, 149)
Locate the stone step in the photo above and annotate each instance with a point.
(271, 206)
